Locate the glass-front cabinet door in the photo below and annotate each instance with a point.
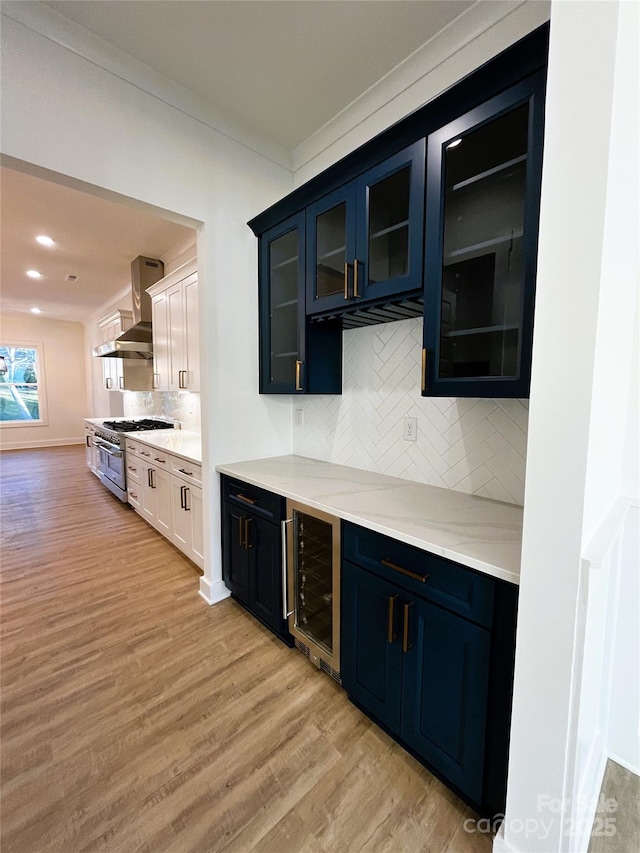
(282, 323)
(389, 245)
(365, 239)
(483, 191)
(331, 249)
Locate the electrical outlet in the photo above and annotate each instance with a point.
(299, 417)
(410, 430)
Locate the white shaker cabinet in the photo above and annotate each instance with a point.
(110, 327)
(91, 449)
(166, 491)
(174, 301)
(186, 513)
(122, 374)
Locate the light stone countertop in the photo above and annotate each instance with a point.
(477, 532)
(180, 442)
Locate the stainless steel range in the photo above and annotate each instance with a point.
(109, 439)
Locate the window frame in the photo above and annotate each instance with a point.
(41, 385)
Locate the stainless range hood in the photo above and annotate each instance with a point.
(136, 342)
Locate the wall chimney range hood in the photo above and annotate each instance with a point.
(136, 341)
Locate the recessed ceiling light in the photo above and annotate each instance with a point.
(44, 240)
(35, 311)
(34, 274)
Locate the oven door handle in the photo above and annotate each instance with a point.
(107, 448)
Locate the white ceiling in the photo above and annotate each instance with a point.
(281, 68)
(94, 239)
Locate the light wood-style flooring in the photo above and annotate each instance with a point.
(137, 718)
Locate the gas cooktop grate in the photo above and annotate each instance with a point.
(137, 426)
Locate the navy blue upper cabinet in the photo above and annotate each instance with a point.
(293, 357)
(365, 239)
(482, 210)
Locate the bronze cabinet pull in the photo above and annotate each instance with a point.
(188, 473)
(298, 371)
(355, 278)
(157, 458)
(390, 565)
(391, 636)
(240, 530)
(247, 500)
(346, 280)
(246, 534)
(424, 385)
(405, 627)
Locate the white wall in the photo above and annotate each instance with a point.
(109, 133)
(65, 383)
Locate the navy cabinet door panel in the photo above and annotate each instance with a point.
(265, 574)
(235, 564)
(445, 684)
(372, 665)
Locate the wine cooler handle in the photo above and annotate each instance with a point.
(285, 604)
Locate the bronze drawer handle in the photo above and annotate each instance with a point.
(390, 565)
(247, 500)
(188, 473)
(391, 636)
(405, 628)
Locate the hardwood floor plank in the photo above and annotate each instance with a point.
(137, 718)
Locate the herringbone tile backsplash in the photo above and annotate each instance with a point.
(471, 445)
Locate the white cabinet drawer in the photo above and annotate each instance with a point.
(146, 453)
(189, 471)
(134, 470)
(132, 446)
(134, 494)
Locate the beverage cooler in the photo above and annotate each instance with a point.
(312, 543)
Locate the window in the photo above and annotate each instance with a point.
(22, 397)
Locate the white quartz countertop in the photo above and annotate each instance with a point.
(181, 442)
(477, 532)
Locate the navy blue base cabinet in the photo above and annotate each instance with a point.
(252, 552)
(427, 652)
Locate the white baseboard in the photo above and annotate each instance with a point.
(213, 592)
(34, 445)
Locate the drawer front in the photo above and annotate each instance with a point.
(444, 582)
(132, 446)
(155, 457)
(134, 495)
(189, 471)
(134, 470)
(259, 501)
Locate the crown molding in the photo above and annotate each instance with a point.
(474, 37)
